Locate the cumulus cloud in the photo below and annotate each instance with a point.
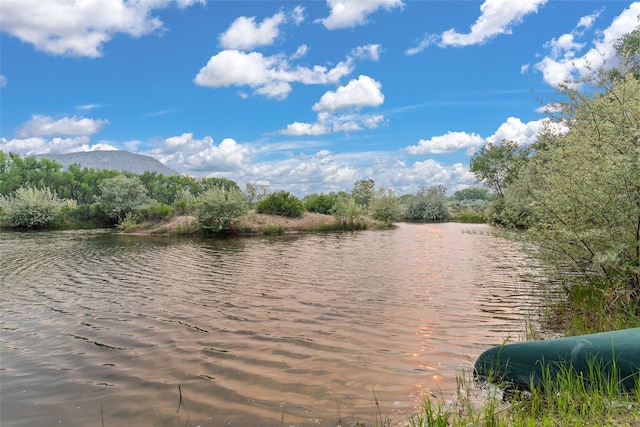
(244, 33)
(349, 14)
(272, 76)
(513, 129)
(67, 126)
(448, 143)
(355, 95)
(363, 92)
(188, 154)
(496, 17)
(61, 27)
(565, 60)
(3, 80)
(38, 145)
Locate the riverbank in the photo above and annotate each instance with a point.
(252, 223)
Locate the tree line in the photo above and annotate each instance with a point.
(39, 193)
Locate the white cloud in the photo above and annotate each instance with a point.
(363, 92)
(62, 27)
(300, 52)
(348, 14)
(272, 76)
(68, 126)
(299, 128)
(87, 107)
(38, 145)
(3, 80)
(513, 129)
(297, 15)
(244, 33)
(448, 143)
(496, 17)
(370, 51)
(188, 154)
(565, 61)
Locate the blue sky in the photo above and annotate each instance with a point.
(303, 96)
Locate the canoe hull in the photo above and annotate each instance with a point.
(616, 354)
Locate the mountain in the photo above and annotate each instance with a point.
(118, 160)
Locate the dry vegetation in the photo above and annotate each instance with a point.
(251, 223)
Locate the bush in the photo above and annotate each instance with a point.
(31, 207)
(320, 203)
(184, 203)
(428, 204)
(218, 207)
(386, 207)
(155, 212)
(281, 203)
(346, 211)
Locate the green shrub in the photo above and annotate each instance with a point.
(185, 202)
(218, 207)
(31, 207)
(347, 211)
(281, 203)
(320, 203)
(386, 207)
(155, 212)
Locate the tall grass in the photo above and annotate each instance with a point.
(563, 398)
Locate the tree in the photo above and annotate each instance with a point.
(122, 195)
(363, 191)
(31, 207)
(386, 207)
(219, 206)
(583, 187)
(472, 193)
(497, 166)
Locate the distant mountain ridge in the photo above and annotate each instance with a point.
(118, 160)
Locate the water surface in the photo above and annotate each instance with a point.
(292, 330)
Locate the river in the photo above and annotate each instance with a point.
(298, 330)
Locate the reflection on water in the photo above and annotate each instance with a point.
(299, 330)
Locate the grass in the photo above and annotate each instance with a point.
(565, 398)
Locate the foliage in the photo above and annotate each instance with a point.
(320, 203)
(185, 202)
(209, 183)
(121, 195)
(497, 166)
(386, 207)
(363, 192)
(347, 211)
(428, 204)
(155, 212)
(472, 193)
(31, 207)
(219, 206)
(281, 203)
(583, 186)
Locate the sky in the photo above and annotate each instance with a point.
(301, 96)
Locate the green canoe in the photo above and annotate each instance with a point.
(522, 364)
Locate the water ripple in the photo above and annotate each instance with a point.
(254, 331)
